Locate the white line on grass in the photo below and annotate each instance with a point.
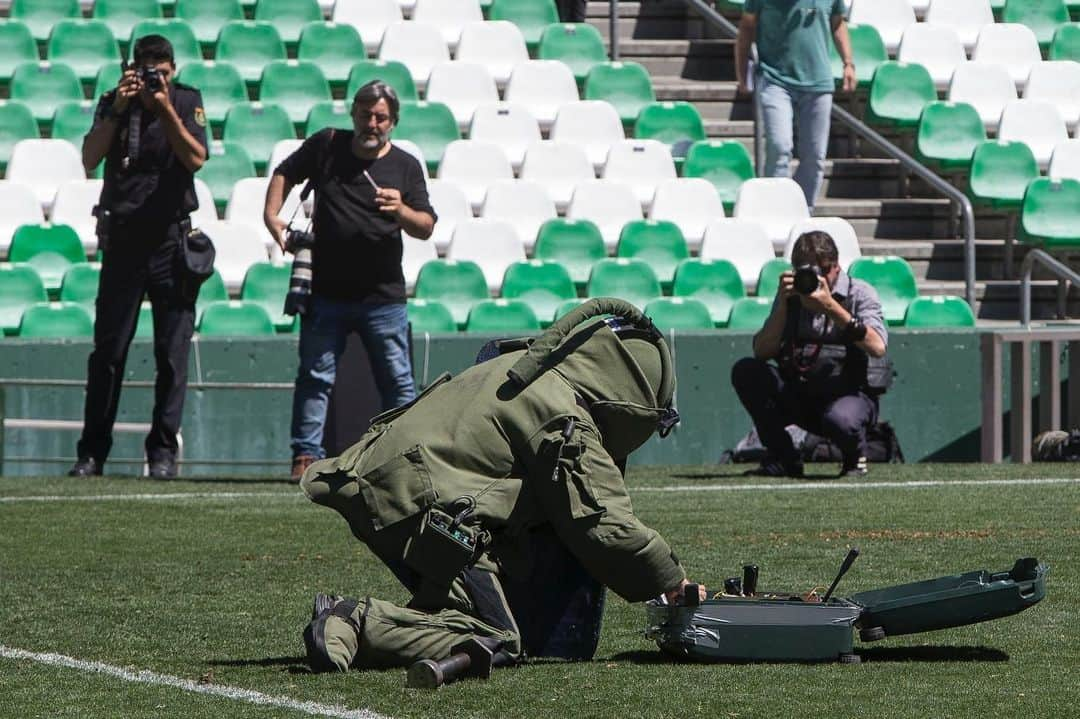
(147, 677)
(813, 485)
(147, 497)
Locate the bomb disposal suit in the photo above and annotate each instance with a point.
(464, 493)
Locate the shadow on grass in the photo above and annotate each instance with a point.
(927, 654)
(252, 480)
(293, 665)
(741, 473)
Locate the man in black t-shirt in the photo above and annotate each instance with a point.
(367, 192)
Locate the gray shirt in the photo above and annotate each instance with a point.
(857, 297)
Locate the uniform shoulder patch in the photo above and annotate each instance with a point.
(200, 117)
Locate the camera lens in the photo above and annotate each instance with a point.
(806, 279)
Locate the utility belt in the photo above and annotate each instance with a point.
(835, 369)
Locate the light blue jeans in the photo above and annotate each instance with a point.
(323, 330)
(784, 113)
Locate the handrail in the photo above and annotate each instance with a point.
(613, 20)
(1056, 267)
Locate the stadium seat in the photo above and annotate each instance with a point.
(16, 123)
(511, 126)
(418, 46)
(889, 17)
(750, 313)
(777, 203)
(768, 283)
(965, 17)
(457, 285)
(1066, 43)
(660, 243)
(450, 16)
(461, 86)
(898, 93)
(531, 16)
(49, 249)
(948, 135)
(724, 163)
(691, 203)
(17, 46)
(227, 163)
(56, 320)
(108, 77)
(496, 45)
(220, 84)
(494, 245)
(676, 124)
(642, 164)
(939, 311)
(249, 46)
(938, 48)
(578, 45)
(503, 316)
(370, 18)
(413, 149)
(238, 246)
(894, 281)
(679, 313)
(714, 283)
(543, 86)
(73, 206)
(1011, 45)
(558, 166)
(235, 318)
(628, 279)
(609, 204)
(743, 243)
(289, 17)
(334, 47)
(566, 307)
(626, 85)
(867, 50)
(185, 45)
(267, 284)
(40, 15)
(393, 73)
(121, 15)
(414, 255)
(524, 204)
(1000, 172)
(294, 85)
(451, 206)
(328, 113)
(83, 45)
(474, 165)
(1050, 215)
(282, 149)
(18, 206)
(840, 230)
(80, 285)
(207, 210)
(20, 287)
(1065, 162)
(543, 285)
(245, 206)
(42, 86)
(575, 244)
(986, 87)
(430, 317)
(44, 165)
(212, 290)
(1058, 83)
(591, 124)
(207, 17)
(257, 126)
(1043, 17)
(1036, 123)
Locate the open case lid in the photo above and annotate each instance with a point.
(951, 601)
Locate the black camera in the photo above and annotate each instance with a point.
(298, 240)
(806, 279)
(150, 77)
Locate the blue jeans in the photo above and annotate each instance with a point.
(323, 331)
(782, 110)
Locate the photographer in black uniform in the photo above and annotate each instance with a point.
(151, 133)
(827, 335)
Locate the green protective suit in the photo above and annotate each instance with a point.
(526, 440)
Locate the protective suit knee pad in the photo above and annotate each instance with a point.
(332, 639)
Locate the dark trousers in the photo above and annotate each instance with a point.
(773, 404)
(571, 10)
(139, 260)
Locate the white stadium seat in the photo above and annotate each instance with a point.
(1012, 45)
(935, 47)
(492, 244)
(507, 124)
(691, 203)
(1065, 162)
(369, 17)
(592, 124)
(238, 247)
(524, 204)
(414, 253)
(245, 207)
(44, 165)
(1036, 123)
(642, 164)
(558, 166)
(207, 210)
(18, 206)
(1057, 82)
(775, 202)
(741, 242)
(413, 149)
(451, 206)
(282, 149)
(498, 45)
(450, 16)
(417, 45)
(461, 86)
(607, 203)
(841, 231)
(474, 165)
(890, 17)
(543, 86)
(74, 205)
(966, 17)
(985, 86)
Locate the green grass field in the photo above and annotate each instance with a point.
(211, 582)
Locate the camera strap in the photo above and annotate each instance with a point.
(134, 135)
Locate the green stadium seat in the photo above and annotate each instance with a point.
(867, 50)
(296, 86)
(267, 284)
(575, 244)
(207, 17)
(578, 45)
(1044, 17)
(227, 163)
(1000, 173)
(543, 285)
(17, 46)
(56, 319)
(1066, 43)
(568, 306)
(235, 318)
(49, 249)
(939, 311)
(769, 278)
(626, 85)
(257, 127)
(20, 287)
(660, 243)
(122, 15)
(249, 46)
(531, 16)
(430, 316)
(16, 123)
(289, 17)
(72, 120)
(898, 93)
(329, 113)
(185, 45)
(431, 125)
(894, 281)
(749, 313)
(458, 285)
(715, 283)
(84, 45)
(626, 278)
(334, 47)
(679, 313)
(394, 73)
(213, 290)
(41, 15)
(220, 84)
(724, 163)
(108, 77)
(80, 285)
(948, 134)
(502, 315)
(44, 85)
(1050, 214)
(676, 124)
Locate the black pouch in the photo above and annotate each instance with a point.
(197, 261)
(441, 548)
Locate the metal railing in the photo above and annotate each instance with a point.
(1059, 269)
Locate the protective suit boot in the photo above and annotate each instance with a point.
(332, 638)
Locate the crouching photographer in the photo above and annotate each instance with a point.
(819, 361)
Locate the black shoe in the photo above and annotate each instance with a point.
(776, 468)
(853, 467)
(164, 468)
(85, 467)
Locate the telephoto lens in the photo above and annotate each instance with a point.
(151, 77)
(749, 579)
(806, 279)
